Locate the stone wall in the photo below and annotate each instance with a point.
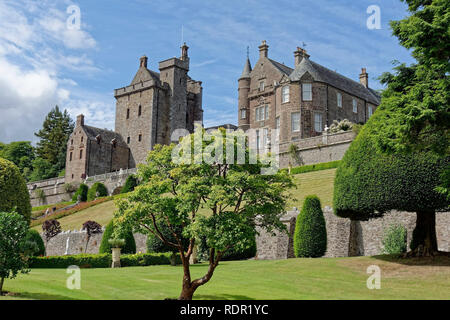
(74, 242)
(349, 238)
(53, 189)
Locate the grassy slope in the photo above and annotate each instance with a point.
(326, 278)
(318, 182)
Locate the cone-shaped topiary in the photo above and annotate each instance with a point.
(310, 236)
(130, 243)
(34, 236)
(130, 184)
(82, 192)
(97, 190)
(13, 190)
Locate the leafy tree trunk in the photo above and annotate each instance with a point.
(2, 280)
(424, 241)
(187, 291)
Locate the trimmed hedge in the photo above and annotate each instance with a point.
(315, 167)
(103, 260)
(82, 191)
(97, 187)
(130, 243)
(34, 236)
(13, 190)
(310, 235)
(130, 184)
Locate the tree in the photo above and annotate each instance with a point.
(124, 233)
(130, 184)
(13, 230)
(310, 235)
(237, 197)
(370, 182)
(21, 153)
(13, 190)
(51, 228)
(97, 190)
(91, 228)
(42, 170)
(34, 237)
(55, 133)
(81, 194)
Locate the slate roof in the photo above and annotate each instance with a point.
(247, 69)
(322, 74)
(106, 135)
(283, 68)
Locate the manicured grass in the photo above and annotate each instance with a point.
(326, 278)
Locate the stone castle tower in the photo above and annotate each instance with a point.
(147, 112)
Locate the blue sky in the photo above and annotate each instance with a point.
(43, 64)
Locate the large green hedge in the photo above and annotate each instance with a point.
(315, 167)
(99, 188)
(310, 235)
(130, 243)
(34, 236)
(103, 260)
(13, 190)
(82, 192)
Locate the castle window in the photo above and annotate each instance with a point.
(243, 114)
(277, 123)
(140, 110)
(318, 122)
(128, 113)
(262, 86)
(82, 138)
(258, 141)
(265, 136)
(307, 91)
(295, 121)
(128, 140)
(71, 142)
(355, 106)
(70, 157)
(262, 113)
(285, 94)
(370, 111)
(81, 154)
(140, 137)
(339, 99)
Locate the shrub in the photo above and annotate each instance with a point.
(127, 235)
(51, 228)
(130, 184)
(34, 236)
(103, 260)
(82, 192)
(310, 235)
(13, 190)
(97, 190)
(394, 240)
(340, 126)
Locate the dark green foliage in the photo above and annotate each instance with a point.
(394, 241)
(97, 190)
(243, 254)
(315, 167)
(127, 235)
(13, 190)
(21, 153)
(103, 260)
(42, 170)
(82, 191)
(154, 244)
(34, 236)
(310, 236)
(55, 133)
(369, 182)
(130, 184)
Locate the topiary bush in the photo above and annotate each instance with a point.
(97, 190)
(130, 184)
(394, 240)
(130, 243)
(34, 236)
(310, 235)
(82, 192)
(14, 194)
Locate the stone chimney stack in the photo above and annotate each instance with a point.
(80, 120)
(143, 61)
(299, 54)
(263, 50)
(184, 52)
(364, 78)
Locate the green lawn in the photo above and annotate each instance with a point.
(326, 278)
(318, 182)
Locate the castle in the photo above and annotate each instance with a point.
(300, 102)
(147, 112)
